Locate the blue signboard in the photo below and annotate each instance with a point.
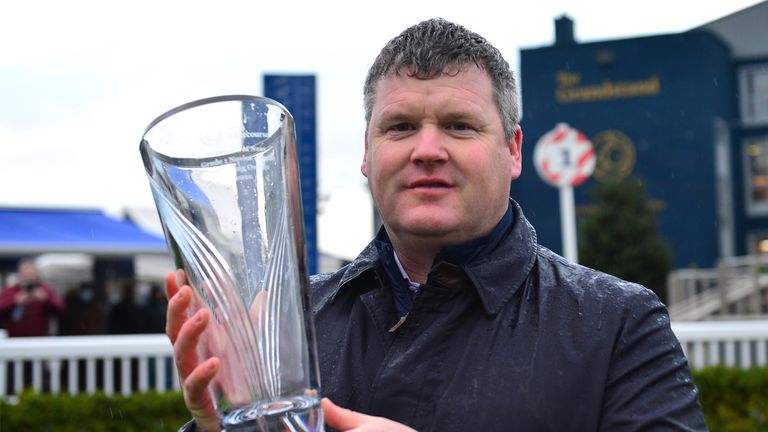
(298, 94)
(649, 106)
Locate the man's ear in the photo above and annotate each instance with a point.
(363, 167)
(515, 146)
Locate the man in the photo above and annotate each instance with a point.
(27, 307)
(454, 318)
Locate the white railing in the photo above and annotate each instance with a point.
(737, 287)
(137, 363)
(85, 364)
(740, 344)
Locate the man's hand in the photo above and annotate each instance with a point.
(40, 294)
(21, 297)
(185, 335)
(346, 420)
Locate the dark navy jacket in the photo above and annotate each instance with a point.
(518, 340)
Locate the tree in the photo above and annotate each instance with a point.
(621, 236)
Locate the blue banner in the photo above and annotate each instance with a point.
(298, 94)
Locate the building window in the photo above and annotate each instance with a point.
(753, 89)
(757, 242)
(756, 173)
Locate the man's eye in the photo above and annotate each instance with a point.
(401, 127)
(459, 127)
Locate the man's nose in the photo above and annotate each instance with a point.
(429, 146)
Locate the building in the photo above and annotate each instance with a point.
(687, 113)
(71, 246)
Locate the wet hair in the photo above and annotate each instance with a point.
(438, 47)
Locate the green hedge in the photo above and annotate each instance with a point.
(94, 413)
(733, 400)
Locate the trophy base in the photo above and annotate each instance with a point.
(300, 414)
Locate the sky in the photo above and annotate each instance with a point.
(80, 80)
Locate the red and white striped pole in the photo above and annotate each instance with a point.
(565, 158)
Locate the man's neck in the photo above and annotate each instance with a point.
(416, 263)
(417, 255)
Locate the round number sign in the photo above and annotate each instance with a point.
(564, 157)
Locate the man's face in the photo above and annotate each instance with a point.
(28, 273)
(436, 158)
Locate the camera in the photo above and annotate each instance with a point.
(28, 286)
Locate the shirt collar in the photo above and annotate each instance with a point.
(413, 286)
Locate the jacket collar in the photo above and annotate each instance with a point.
(496, 275)
(367, 260)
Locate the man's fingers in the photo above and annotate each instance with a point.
(173, 320)
(185, 335)
(197, 381)
(171, 285)
(174, 280)
(176, 314)
(185, 346)
(197, 398)
(346, 420)
(341, 418)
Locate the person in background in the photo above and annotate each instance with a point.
(154, 310)
(125, 316)
(84, 314)
(28, 306)
(454, 318)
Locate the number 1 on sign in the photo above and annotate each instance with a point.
(566, 158)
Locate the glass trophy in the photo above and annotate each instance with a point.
(224, 176)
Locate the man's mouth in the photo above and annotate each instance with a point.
(429, 183)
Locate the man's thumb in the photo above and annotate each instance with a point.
(341, 418)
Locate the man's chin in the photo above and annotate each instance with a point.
(429, 229)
